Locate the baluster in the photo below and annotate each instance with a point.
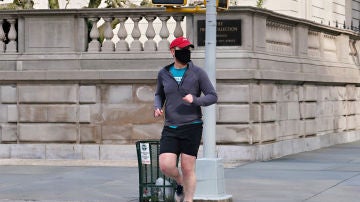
(122, 45)
(94, 45)
(164, 34)
(2, 37)
(136, 45)
(12, 35)
(178, 29)
(108, 45)
(150, 44)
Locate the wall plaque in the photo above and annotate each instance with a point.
(228, 32)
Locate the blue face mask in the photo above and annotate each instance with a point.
(183, 55)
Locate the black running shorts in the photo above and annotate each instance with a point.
(183, 139)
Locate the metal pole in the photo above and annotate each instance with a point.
(210, 67)
(210, 184)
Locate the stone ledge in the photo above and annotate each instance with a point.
(125, 155)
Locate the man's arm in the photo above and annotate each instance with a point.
(206, 87)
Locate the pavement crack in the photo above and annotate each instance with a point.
(313, 196)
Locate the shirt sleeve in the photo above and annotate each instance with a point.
(206, 87)
(159, 94)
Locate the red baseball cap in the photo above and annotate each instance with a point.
(181, 42)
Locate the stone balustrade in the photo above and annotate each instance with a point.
(290, 86)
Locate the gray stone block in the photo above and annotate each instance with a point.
(117, 132)
(125, 114)
(351, 92)
(233, 113)
(51, 34)
(312, 143)
(264, 152)
(307, 110)
(282, 148)
(298, 145)
(357, 107)
(289, 128)
(288, 110)
(310, 127)
(48, 132)
(3, 113)
(351, 122)
(27, 151)
(255, 113)
(357, 93)
(63, 151)
(340, 108)
(84, 114)
(340, 123)
(33, 113)
(325, 108)
(323, 93)
(117, 152)
(87, 94)
(238, 153)
(89, 133)
(4, 151)
(148, 131)
(48, 93)
(145, 93)
(269, 131)
(269, 112)
(338, 93)
(8, 133)
(12, 113)
(8, 94)
(90, 152)
(234, 133)
(264, 93)
(288, 93)
(118, 94)
(351, 107)
(324, 124)
(308, 93)
(62, 113)
(233, 93)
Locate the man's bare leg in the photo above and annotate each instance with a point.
(189, 176)
(167, 162)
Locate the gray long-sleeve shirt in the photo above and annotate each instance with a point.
(195, 81)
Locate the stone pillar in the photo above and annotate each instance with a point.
(150, 44)
(94, 45)
(108, 45)
(164, 34)
(301, 41)
(259, 36)
(136, 45)
(122, 45)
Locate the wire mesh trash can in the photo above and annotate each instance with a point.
(153, 185)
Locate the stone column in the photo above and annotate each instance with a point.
(136, 45)
(108, 45)
(12, 35)
(94, 45)
(122, 45)
(150, 44)
(164, 34)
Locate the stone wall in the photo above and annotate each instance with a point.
(292, 85)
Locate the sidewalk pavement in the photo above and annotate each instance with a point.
(330, 174)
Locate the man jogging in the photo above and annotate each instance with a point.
(180, 86)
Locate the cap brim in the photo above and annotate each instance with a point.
(185, 45)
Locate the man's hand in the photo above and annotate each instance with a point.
(188, 98)
(158, 112)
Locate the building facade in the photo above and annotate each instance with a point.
(285, 84)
